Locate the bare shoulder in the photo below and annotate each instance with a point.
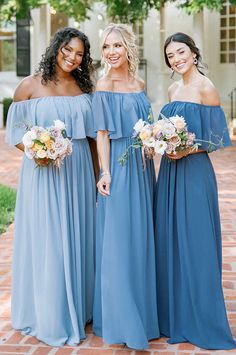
(140, 84)
(171, 89)
(25, 88)
(209, 94)
(104, 84)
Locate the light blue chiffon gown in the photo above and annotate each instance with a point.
(190, 299)
(125, 308)
(53, 261)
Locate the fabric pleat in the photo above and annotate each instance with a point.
(54, 261)
(125, 309)
(190, 298)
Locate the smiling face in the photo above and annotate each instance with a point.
(180, 57)
(114, 51)
(70, 55)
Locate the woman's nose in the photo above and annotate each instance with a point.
(111, 49)
(72, 55)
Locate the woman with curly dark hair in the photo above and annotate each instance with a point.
(53, 264)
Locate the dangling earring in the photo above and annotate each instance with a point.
(195, 61)
(172, 73)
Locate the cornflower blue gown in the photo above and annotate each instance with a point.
(53, 261)
(190, 298)
(125, 309)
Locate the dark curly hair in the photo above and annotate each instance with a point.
(47, 66)
(186, 39)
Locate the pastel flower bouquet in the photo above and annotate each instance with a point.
(49, 145)
(165, 136)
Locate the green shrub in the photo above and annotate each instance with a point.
(7, 206)
(6, 104)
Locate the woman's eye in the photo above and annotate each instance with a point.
(65, 50)
(104, 47)
(182, 52)
(118, 45)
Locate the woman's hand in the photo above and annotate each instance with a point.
(42, 162)
(179, 155)
(103, 185)
(184, 153)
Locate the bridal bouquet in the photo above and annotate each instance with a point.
(47, 144)
(167, 135)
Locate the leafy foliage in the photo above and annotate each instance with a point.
(131, 10)
(7, 206)
(19, 8)
(194, 6)
(6, 104)
(73, 8)
(117, 10)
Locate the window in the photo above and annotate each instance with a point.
(8, 48)
(138, 30)
(228, 33)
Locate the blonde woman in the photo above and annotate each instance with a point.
(125, 296)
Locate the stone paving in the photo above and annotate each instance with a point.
(12, 342)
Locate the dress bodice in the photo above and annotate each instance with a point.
(74, 111)
(118, 112)
(206, 121)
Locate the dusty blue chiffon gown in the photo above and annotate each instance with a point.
(188, 238)
(53, 261)
(125, 308)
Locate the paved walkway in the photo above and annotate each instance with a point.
(12, 342)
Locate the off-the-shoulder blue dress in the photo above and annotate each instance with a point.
(125, 308)
(188, 238)
(53, 262)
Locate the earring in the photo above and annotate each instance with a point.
(195, 61)
(79, 69)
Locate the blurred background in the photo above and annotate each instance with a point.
(26, 28)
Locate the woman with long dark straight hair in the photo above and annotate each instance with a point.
(53, 262)
(190, 299)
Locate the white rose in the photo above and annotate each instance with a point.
(145, 133)
(178, 122)
(150, 142)
(160, 147)
(33, 134)
(168, 130)
(29, 153)
(27, 139)
(59, 124)
(60, 146)
(157, 129)
(139, 125)
(52, 154)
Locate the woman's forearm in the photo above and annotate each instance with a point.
(103, 147)
(21, 147)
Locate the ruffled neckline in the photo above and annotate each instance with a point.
(120, 93)
(51, 97)
(191, 103)
(206, 121)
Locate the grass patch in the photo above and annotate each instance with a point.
(7, 206)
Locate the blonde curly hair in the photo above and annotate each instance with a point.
(128, 40)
